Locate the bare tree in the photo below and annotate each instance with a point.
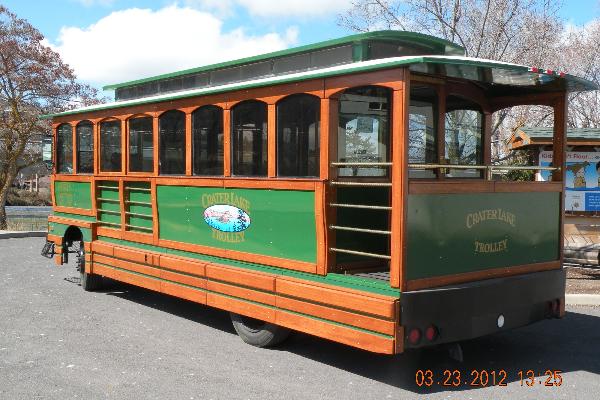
(33, 81)
(518, 31)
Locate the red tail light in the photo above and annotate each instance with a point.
(431, 333)
(414, 336)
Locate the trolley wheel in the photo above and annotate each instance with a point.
(89, 282)
(258, 333)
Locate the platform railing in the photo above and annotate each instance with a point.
(360, 206)
(490, 170)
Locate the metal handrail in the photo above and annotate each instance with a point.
(364, 184)
(361, 230)
(490, 167)
(360, 253)
(361, 164)
(363, 206)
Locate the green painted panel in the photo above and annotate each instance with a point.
(140, 221)
(347, 281)
(60, 229)
(73, 194)
(109, 205)
(112, 218)
(282, 221)
(454, 233)
(141, 196)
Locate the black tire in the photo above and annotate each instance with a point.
(258, 333)
(89, 282)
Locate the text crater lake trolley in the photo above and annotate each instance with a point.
(343, 189)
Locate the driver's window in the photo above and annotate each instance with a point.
(422, 130)
(363, 132)
(463, 137)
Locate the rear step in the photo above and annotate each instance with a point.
(48, 250)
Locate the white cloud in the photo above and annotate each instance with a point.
(275, 8)
(137, 43)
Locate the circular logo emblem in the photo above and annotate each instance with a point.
(227, 218)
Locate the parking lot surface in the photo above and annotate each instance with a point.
(59, 342)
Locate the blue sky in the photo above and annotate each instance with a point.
(109, 41)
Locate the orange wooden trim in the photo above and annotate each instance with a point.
(242, 256)
(271, 141)
(188, 144)
(468, 90)
(122, 203)
(74, 149)
(73, 178)
(441, 129)
(240, 307)
(502, 187)
(185, 265)
(542, 99)
(114, 233)
(559, 157)
(399, 190)
(197, 296)
(54, 147)
(321, 228)
(182, 181)
(124, 150)
(243, 293)
(284, 184)
(450, 186)
(487, 138)
(103, 248)
(126, 277)
(341, 334)
(239, 276)
(155, 219)
(338, 298)
(227, 142)
(398, 330)
(87, 246)
(96, 138)
(132, 255)
(432, 80)
(155, 144)
(52, 194)
(146, 238)
(58, 260)
(391, 78)
(58, 240)
(127, 265)
(69, 221)
(332, 314)
(273, 93)
(479, 186)
(94, 198)
(324, 134)
(424, 283)
(183, 279)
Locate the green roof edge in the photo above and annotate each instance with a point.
(389, 34)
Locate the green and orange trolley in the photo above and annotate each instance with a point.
(343, 189)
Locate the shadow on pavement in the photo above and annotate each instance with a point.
(566, 345)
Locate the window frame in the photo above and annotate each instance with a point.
(123, 148)
(222, 112)
(185, 139)
(318, 135)
(73, 150)
(127, 145)
(264, 140)
(76, 146)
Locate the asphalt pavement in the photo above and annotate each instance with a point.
(59, 342)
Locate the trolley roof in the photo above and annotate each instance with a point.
(497, 78)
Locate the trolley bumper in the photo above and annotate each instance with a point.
(474, 309)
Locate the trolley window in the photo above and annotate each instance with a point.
(64, 149)
(298, 135)
(141, 145)
(422, 128)
(172, 143)
(249, 138)
(363, 132)
(110, 146)
(207, 129)
(463, 136)
(85, 147)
